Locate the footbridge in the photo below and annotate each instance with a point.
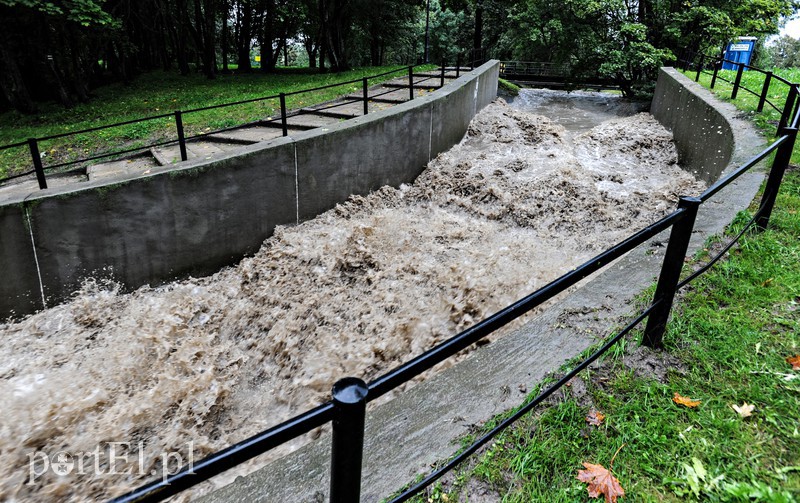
(551, 76)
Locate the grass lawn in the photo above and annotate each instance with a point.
(159, 93)
(727, 345)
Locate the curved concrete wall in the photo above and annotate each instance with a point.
(203, 215)
(707, 132)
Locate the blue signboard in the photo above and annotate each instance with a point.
(739, 51)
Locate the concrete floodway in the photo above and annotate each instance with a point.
(167, 222)
(421, 426)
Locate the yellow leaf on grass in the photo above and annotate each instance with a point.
(685, 401)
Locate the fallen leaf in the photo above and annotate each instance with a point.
(600, 482)
(595, 418)
(685, 401)
(794, 361)
(767, 282)
(744, 410)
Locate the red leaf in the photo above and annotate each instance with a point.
(600, 482)
(794, 361)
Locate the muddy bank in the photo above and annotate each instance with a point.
(355, 291)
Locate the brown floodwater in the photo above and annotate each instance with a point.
(353, 292)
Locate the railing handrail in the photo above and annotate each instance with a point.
(681, 222)
(699, 60)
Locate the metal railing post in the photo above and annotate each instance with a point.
(365, 89)
(787, 110)
(181, 136)
(410, 82)
(347, 449)
(779, 165)
(737, 81)
(670, 273)
(764, 91)
(717, 65)
(441, 84)
(33, 145)
(284, 124)
(458, 65)
(699, 68)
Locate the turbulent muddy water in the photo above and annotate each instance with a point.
(355, 291)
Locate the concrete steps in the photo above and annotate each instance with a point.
(382, 96)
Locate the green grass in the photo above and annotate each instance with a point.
(159, 93)
(727, 344)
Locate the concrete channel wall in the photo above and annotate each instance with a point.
(703, 135)
(203, 215)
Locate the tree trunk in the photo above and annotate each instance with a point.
(210, 39)
(224, 41)
(335, 22)
(477, 41)
(269, 57)
(323, 45)
(311, 50)
(245, 36)
(12, 84)
(61, 91)
(180, 31)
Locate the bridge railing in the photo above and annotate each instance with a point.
(534, 68)
(346, 410)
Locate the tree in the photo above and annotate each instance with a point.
(785, 52)
(49, 49)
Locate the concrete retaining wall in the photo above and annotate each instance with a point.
(203, 215)
(702, 134)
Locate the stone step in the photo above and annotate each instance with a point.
(138, 165)
(171, 154)
(333, 113)
(252, 134)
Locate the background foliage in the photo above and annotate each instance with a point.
(61, 50)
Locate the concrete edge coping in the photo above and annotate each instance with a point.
(421, 426)
(172, 170)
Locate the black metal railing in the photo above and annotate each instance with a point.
(534, 68)
(415, 80)
(712, 65)
(347, 408)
